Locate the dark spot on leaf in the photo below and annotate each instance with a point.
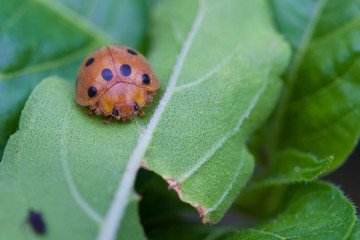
(35, 219)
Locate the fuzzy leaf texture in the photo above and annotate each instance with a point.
(355, 235)
(315, 125)
(46, 37)
(220, 86)
(317, 211)
(217, 85)
(65, 165)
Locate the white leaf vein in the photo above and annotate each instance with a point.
(116, 211)
(238, 171)
(221, 142)
(73, 189)
(266, 233)
(214, 70)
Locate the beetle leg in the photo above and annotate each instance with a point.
(108, 119)
(91, 112)
(149, 99)
(98, 111)
(141, 113)
(94, 106)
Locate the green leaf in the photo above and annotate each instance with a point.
(311, 211)
(51, 37)
(188, 232)
(355, 235)
(220, 87)
(291, 166)
(317, 115)
(65, 165)
(164, 216)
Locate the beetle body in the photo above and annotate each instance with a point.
(117, 82)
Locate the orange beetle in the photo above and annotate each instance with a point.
(116, 81)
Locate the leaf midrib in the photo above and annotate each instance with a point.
(116, 210)
(308, 34)
(290, 78)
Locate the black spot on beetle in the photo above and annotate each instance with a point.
(145, 79)
(107, 74)
(35, 219)
(136, 107)
(132, 52)
(116, 112)
(92, 91)
(89, 62)
(125, 70)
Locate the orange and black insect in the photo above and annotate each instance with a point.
(116, 81)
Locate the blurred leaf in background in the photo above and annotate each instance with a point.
(355, 235)
(310, 211)
(315, 125)
(51, 37)
(319, 110)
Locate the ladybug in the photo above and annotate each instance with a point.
(117, 82)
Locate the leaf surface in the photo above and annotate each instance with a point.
(317, 114)
(355, 235)
(262, 196)
(217, 85)
(311, 211)
(63, 164)
(222, 85)
(291, 166)
(51, 37)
